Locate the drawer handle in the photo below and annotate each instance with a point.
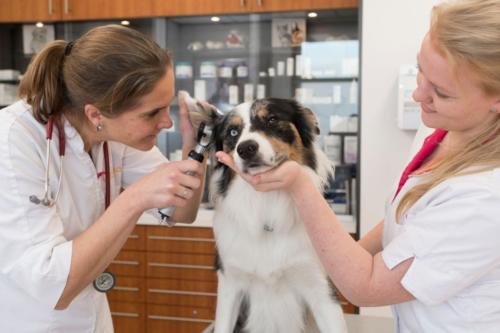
(207, 321)
(180, 292)
(126, 288)
(185, 239)
(125, 262)
(159, 264)
(133, 236)
(125, 314)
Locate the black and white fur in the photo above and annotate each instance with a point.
(270, 279)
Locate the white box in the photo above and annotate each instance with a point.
(408, 110)
(261, 91)
(331, 147)
(233, 94)
(248, 92)
(200, 90)
(350, 149)
(9, 74)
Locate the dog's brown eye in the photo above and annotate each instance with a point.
(272, 120)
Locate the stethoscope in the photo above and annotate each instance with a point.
(47, 199)
(106, 280)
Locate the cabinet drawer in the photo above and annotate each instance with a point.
(128, 289)
(180, 240)
(181, 292)
(181, 266)
(181, 312)
(128, 317)
(162, 319)
(129, 263)
(136, 241)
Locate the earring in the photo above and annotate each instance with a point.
(98, 128)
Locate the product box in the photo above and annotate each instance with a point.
(9, 74)
(350, 149)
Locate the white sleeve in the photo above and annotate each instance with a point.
(137, 163)
(36, 257)
(454, 242)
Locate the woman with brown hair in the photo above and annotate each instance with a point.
(436, 256)
(105, 97)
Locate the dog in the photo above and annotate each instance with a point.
(270, 279)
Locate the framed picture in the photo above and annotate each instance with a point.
(35, 38)
(288, 32)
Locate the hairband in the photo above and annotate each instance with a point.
(68, 47)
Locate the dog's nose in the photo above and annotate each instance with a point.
(247, 149)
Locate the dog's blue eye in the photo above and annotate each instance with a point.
(233, 132)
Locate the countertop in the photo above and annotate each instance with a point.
(357, 324)
(205, 217)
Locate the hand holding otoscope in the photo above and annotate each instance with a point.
(204, 140)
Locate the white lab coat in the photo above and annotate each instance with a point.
(452, 233)
(36, 241)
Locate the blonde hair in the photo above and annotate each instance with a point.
(110, 67)
(467, 32)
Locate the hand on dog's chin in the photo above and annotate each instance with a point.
(258, 170)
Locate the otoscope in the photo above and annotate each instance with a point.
(204, 139)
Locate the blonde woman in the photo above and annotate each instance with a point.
(106, 96)
(436, 256)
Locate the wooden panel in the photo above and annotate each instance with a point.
(136, 240)
(128, 317)
(188, 232)
(199, 7)
(181, 312)
(280, 5)
(105, 9)
(181, 266)
(162, 319)
(129, 263)
(181, 240)
(128, 289)
(30, 10)
(182, 292)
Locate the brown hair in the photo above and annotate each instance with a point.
(110, 67)
(467, 34)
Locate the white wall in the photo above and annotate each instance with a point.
(391, 34)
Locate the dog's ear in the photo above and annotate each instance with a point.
(311, 120)
(307, 124)
(200, 111)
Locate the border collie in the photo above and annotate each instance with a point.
(270, 279)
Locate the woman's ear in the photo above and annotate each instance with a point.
(496, 107)
(93, 115)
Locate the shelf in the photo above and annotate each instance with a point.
(10, 81)
(328, 79)
(343, 133)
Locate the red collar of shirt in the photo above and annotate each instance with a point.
(430, 144)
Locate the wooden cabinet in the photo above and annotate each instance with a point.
(209, 7)
(105, 9)
(280, 6)
(68, 10)
(166, 282)
(30, 10)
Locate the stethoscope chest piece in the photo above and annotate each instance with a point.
(104, 282)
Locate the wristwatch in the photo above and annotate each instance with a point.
(104, 282)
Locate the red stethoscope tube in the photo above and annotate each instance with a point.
(47, 199)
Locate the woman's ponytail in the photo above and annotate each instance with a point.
(42, 85)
